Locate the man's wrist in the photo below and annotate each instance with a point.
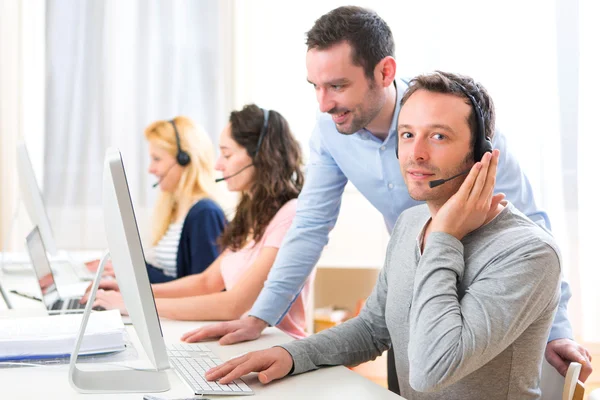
(435, 228)
(457, 234)
(258, 322)
(291, 371)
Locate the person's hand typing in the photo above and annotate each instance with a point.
(105, 284)
(110, 300)
(271, 364)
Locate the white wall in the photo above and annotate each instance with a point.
(587, 162)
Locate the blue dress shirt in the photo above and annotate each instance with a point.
(371, 165)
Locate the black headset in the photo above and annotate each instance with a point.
(483, 144)
(182, 157)
(263, 131)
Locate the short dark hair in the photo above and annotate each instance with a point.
(446, 82)
(366, 32)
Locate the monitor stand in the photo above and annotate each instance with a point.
(116, 381)
(5, 297)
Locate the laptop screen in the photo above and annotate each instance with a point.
(41, 266)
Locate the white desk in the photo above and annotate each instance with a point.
(52, 382)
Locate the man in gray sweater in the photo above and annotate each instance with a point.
(470, 285)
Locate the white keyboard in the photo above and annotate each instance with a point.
(192, 360)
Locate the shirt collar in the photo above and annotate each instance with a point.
(393, 131)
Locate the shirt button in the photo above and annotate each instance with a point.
(391, 185)
(382, 148)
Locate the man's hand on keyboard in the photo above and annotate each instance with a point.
(230, 332)
(105, 284)
(271, 364)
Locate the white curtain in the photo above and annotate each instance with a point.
(9, 122)
(588, 192)
(113, 67)
(22, 86)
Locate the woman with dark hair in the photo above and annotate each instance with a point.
(262, 161)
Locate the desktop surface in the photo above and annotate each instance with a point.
(51, 382)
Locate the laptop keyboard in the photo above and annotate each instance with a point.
(192, 360)
(72, 304)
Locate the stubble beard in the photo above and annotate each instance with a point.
(365, 112)
(441, 194)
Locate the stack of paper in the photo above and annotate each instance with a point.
(42, 337)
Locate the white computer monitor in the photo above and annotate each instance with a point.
(125, 249)
(33, 200)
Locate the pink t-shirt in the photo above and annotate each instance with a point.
(235, 264)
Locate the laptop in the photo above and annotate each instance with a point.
(51, 297)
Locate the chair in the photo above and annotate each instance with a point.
(556, 387)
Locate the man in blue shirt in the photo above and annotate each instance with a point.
(350, 62)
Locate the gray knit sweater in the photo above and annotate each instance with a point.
(468, 319)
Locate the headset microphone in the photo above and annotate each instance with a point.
(164, 175)
(438, 182)
(261, 135)
(231, 176)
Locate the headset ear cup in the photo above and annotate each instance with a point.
(484, 147)
(487, 146)
(183, 158)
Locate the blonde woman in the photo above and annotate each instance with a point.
(187, 221)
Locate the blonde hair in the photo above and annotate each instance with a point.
(197, 180)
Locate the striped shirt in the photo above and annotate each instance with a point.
(165, 251)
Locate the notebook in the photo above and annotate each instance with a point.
(43, 337)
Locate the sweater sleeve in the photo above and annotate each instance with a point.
(198, 247)
(459, 336)
(355, 341)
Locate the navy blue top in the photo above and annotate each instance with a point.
(198, 248)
